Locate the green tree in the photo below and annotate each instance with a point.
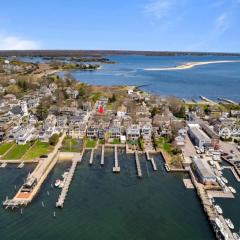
(53, 140)
(112, 99)
(41, 112)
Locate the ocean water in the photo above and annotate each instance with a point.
(103, 205)
(213, 80)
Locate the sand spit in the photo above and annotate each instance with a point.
(189, 65)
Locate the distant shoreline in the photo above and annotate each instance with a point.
(189, 65)
(98, 53)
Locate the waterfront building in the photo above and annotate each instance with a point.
(203, 171)
(198, 137)
(133, 132)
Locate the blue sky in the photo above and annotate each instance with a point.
(174, 25)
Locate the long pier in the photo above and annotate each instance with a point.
(35, 180)
(62, 197)
(152, 161)
(116, 167)
(102, 155)
(139, 170)
(91, 157)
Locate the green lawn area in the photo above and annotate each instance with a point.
(71, 145)
(38, 149)
(91, 143)
(4, 147)
(17, 152)
(115, 141)
(162, 142)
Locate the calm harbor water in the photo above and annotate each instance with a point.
(213, 80)
(103, 205)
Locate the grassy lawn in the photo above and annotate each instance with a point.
(163, 143)
(17, 152)
(71, 145)
(115, 141)
(38, 149)
(5, 147)
(101, 141)
(91, 143)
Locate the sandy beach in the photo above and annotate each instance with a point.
(189, 65)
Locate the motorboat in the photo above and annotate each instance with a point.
(232, 189)
(219, 209)
(229, 223)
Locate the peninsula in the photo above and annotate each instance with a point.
(190, 65)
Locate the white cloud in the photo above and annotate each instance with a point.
(159, 8)
(17, 43)
(222, 22)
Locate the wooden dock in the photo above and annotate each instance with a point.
(138, 166)
(91, 157)
(116, 168)
(154, 166)
(102, 155)
(220, 194)
(68, 180)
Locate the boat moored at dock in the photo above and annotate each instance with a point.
(219, 209)
(229, 223)
(232, 189)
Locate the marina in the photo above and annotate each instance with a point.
(79, 205)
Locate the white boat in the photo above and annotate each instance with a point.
(221, 228)
(211, 162)
(232, 189)
(236, 236)
(219, 209)
(57, 183)
(224, 180)
(229, 223)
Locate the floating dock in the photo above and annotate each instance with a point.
(68, 180)
(91, 157)
(138, 166)
(152, 161)
(116, 168)
(102, 155)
